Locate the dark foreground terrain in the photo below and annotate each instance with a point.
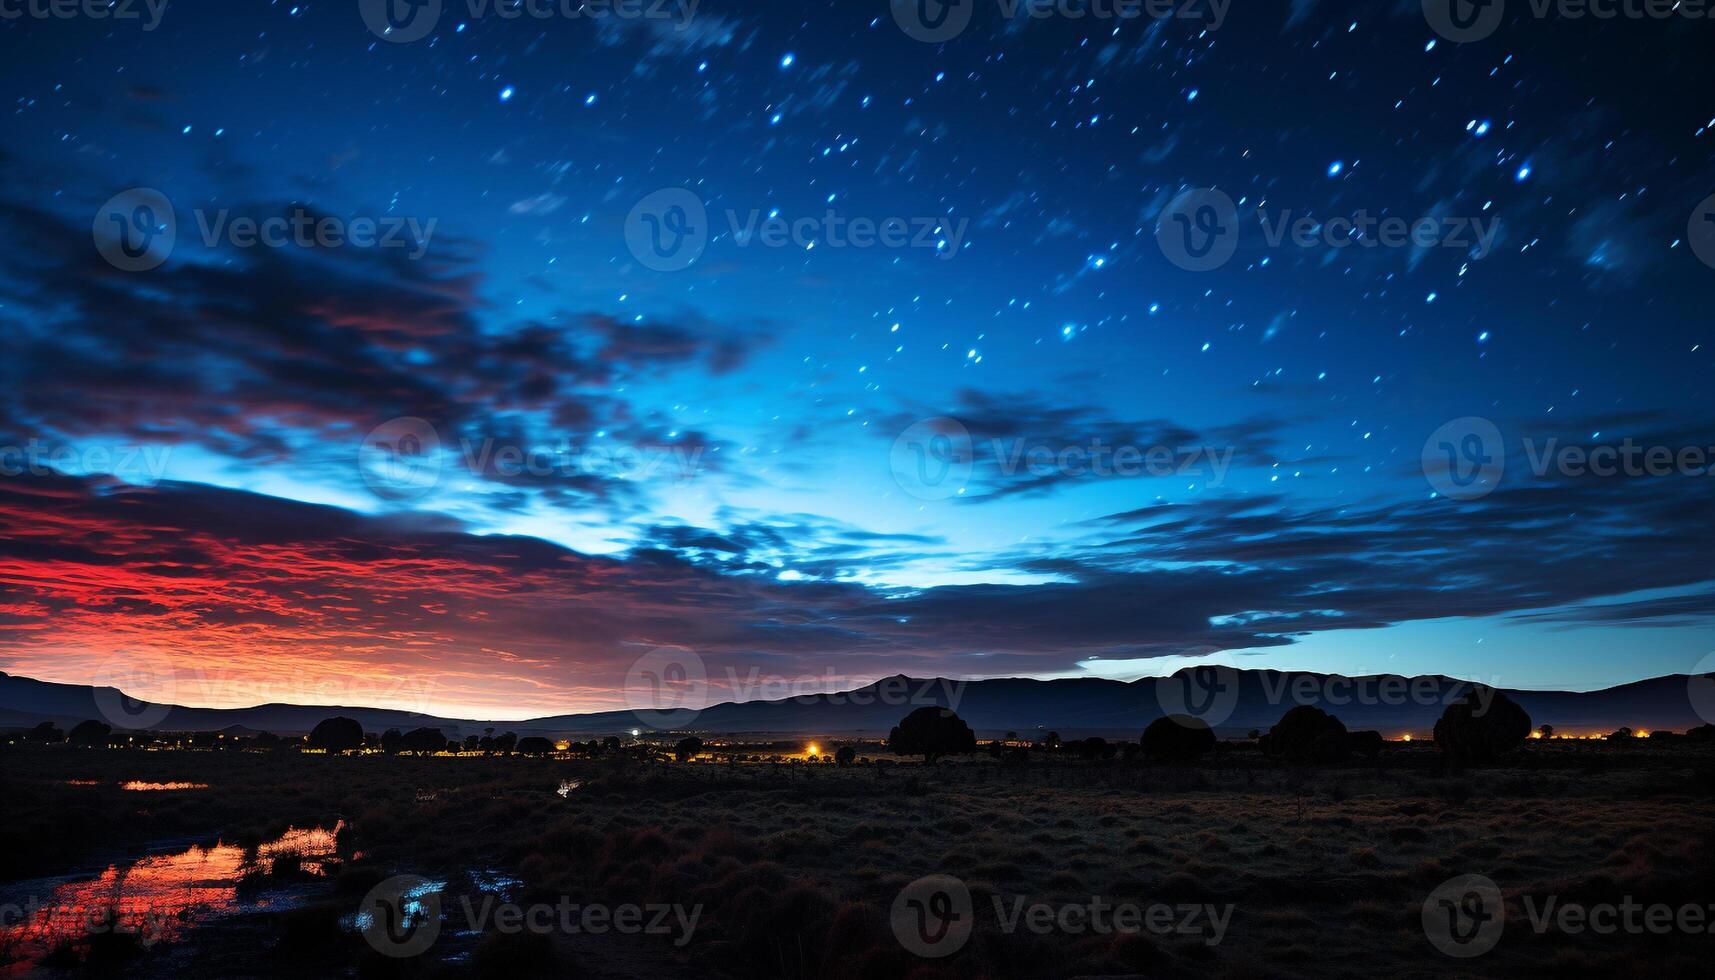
(1235, 867)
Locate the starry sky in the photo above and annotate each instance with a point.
(745, 451)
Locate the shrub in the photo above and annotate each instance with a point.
(90, 733)
(1306, 735)
(1367, 744)
(931, 733)
(1470, 732)
(336, 735)
(687, 748)
(1177, 739)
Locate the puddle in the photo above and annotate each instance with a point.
(157, 898)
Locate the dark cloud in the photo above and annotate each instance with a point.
(275, 354)
(1025, 445)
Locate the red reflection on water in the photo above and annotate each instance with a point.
(157, 898)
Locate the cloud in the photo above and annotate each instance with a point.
(289, 356)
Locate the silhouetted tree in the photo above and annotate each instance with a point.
(1306, 735)
(336, 735)
(1095, 747)
(687, 748)
(423, 740)
(505, 742)
(47, 731)
(1547, 731)
(1366, 744)
(932, 732)
(267, 740)
(90, 732)
(1051, 741)
(1177, 739)
(1701, 731)
(610, 744)
(1620, 734)
(472, 742)
(534, 745)
(1470, 733)
(846, 755)
(392, 741)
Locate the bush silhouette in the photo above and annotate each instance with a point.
(47, 731)
(423, 740)
(534, 745)
(846, 755)
(687, 748)
(931, 733)
(1306, 735)
(1177, 739)
(1367, 744)
(336, 735)
(1470, 733)
(90, 732)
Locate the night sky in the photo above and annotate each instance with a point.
(733, 454)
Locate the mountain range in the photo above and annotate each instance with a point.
(1234, 701)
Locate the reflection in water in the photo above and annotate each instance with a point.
(138, 786)
(157, 898)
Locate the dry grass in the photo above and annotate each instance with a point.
(797, 866)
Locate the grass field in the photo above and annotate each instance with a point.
(794, 870)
